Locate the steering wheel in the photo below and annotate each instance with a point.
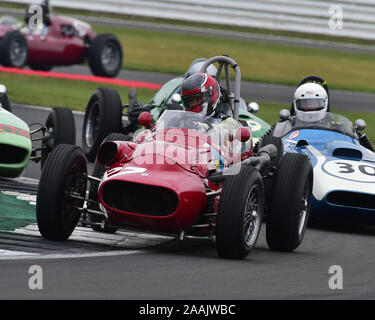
(314, 79)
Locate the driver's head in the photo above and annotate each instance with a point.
(310, 102)
(200, 93)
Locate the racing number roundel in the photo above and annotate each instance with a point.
(351, 170)
(255, 126)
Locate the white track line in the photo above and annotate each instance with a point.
(35, 256)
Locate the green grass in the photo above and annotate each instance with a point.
(269, 112)
(271, 63)
(51, 92)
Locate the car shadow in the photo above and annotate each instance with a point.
(342, 227)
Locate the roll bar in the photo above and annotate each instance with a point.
(225, 61)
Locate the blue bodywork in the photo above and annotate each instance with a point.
(344, 171)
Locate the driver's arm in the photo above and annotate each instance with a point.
(230, 123)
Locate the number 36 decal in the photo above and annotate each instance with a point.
(351, 170)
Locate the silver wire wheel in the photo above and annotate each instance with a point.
(240, 214)
(252, 216)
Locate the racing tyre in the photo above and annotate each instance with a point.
(5, 102)
(98, 172)
(290, 203)
(64, 176)
(13, 50)
(240, 214)
(105, 56)
(103, 116)
(60, 129)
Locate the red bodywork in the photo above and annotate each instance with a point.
(159, 169)
(55, 48)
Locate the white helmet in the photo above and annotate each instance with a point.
(310, 102)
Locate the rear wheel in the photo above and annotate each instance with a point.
(13, 50)
(60, 129)
(290, 203)
(98, 172)
(240, 214)
(103, 116)
(105, 56)
(64, 176)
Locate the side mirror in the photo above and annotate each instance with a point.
(176, 98)
(360, 125)
(145, 119)
(284, 114)
(253, 107)
(243, 134)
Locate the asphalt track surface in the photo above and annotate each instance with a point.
(190, 269)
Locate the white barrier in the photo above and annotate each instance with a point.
(307, 16)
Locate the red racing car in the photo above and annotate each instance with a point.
(57, 41)
(189, 175)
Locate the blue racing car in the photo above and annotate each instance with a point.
(342, 156)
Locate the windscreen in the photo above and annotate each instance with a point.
(332, 122)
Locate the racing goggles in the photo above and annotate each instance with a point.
(310, 104)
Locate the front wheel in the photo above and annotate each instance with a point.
(61, 192)
(105, 56)
(240, 214)
(290, 203)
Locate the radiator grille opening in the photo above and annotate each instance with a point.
(352, 199)
(139, 198)
(10, 154)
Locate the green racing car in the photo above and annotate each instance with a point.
(16, 137)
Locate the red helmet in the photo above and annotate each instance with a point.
(200, 93)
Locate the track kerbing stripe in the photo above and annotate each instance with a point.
(57, 75)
